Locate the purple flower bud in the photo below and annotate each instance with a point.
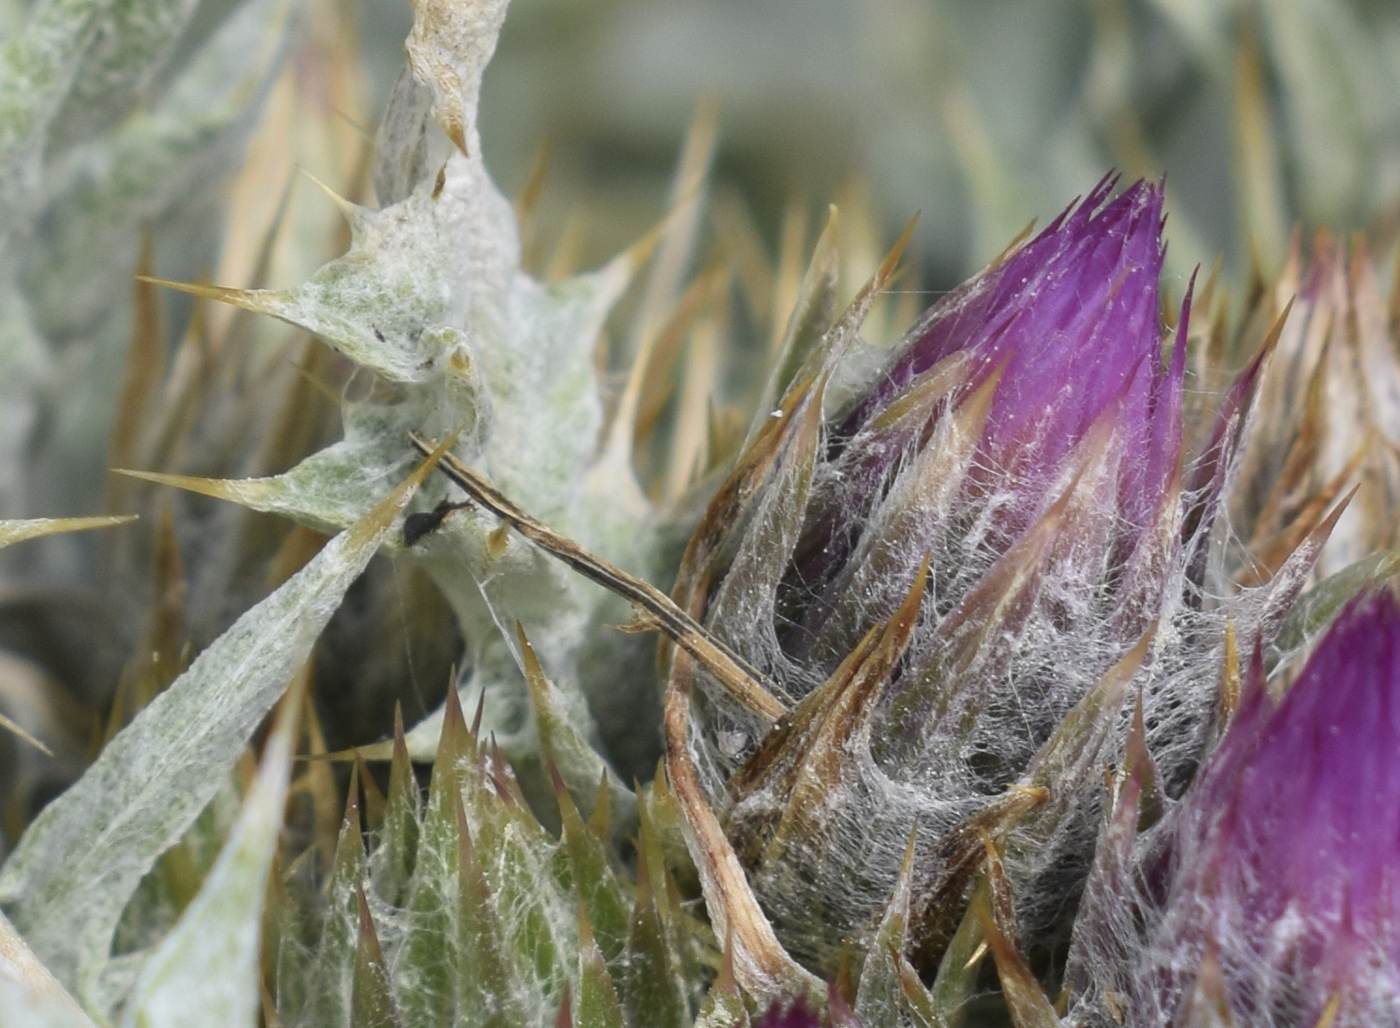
(948, 576)
(1074, 315)
(1284, 869)
(1069, 327)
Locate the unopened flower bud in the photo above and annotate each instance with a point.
(948, 577)
(1278, 894)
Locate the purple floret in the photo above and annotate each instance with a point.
(1073, 313)
(1072, 322)
(1288, 853)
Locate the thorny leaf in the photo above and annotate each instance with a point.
(431, 298)
(206, 970)
(82, 858)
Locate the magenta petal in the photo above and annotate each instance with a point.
(1291, 838)
(1318, 802)
(1073, 315)
(789, 1015)
(1071, 325)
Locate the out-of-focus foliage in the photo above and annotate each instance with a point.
(982, 115)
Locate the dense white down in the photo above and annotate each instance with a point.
(1098, 592)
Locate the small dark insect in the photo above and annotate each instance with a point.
(416, 526)
(654, 610)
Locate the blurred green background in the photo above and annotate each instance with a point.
(982, 114)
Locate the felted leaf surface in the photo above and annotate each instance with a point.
(78, 65)
(23, 366)
(37, 67)
(116, 116)
(162, 165)
(206, 970)
(21, 1007)
(79, 862)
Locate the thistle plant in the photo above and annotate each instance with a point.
(947, 633)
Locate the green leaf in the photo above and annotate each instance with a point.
(1314, 610)
(528, 878)
(396, 843)
(597, 998)
(22, 1006)
(956, 982)
(24, 366)
(37, 68)
(488, 987)
(724, 1003)
(83, 857)
(136, 40)
(332, 977)
(426, 966)
(206, 970)
(431, 297)
(655, 993)
(602, 900)
(576, 763)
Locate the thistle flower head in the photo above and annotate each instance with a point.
(949, 578)
(1286, 856)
